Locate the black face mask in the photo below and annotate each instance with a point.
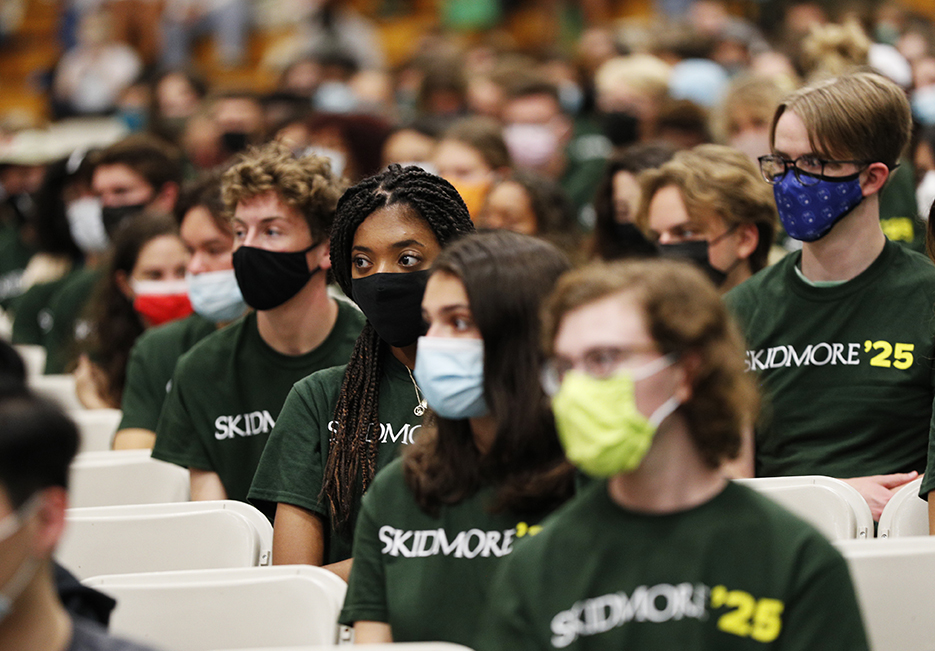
(393, 304)
(620, 127)
(267, 279)
(113, 216)
(696, 252)
(234, 141)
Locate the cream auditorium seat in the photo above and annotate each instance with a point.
(832, 506)
(117, 477)
(97, 428)
(906, 514)
(893, 579)
(201, 610)
(57, 388)
(160, 537)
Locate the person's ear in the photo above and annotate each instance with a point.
(50, 520)
(165, 199)
(688, 365)
(874, 178)
(123, 284)
(320, 256)
(748, 237)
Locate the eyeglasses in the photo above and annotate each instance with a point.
(598, 363)
(808, 169)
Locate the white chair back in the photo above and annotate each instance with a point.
(57, 388)
(832, 506)
(397, 646)
(120, 477)
(906, 514)
(894, 579)
(199, 610)
(34, 358)
(160, 537)
(97, 428)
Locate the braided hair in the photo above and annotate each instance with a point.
(353, 453)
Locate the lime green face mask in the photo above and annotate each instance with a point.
(599, 425)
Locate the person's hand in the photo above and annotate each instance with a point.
(878, 489)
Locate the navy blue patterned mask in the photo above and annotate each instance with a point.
(808, 212)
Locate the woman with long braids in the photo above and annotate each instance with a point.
(487, 466)
(340, 425)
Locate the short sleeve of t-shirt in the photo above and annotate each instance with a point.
(28, 312)
(293, 462)
(177, 440)
(151, 366)
(366, 592)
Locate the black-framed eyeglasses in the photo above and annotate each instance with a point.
(808, 169)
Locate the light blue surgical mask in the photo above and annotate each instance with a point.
(215, 295)
(450, 373)
(9, 527)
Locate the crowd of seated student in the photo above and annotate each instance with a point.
(184, 273)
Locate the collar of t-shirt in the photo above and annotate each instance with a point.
(816, 283)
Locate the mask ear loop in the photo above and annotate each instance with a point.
(649, 369)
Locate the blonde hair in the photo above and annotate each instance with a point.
(716, 180)
(834, 49)
(305, 183)
(683, 314)
(644, 73)
(757, 94)
(858, 116)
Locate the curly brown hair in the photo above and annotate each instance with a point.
(684, 315)
(305, 183)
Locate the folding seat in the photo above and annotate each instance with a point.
(830, 505)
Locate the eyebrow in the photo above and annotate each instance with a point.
(396, 245)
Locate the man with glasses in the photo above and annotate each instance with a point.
(841, 333)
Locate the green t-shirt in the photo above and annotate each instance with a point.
(64, 320)
(737, 572)
(898, 209)
(14, 256)
(846, 370)
(427, 577)
(150, 367)
(227, 392)
(293, 465)
(31, 322)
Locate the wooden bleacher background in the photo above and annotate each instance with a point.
(34, 49)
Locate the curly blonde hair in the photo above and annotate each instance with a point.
(305, 183)
(721, 181)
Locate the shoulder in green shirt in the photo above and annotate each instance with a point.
(736, 573)
(150, 367)
(427, 577)
(292, 468)
(66, 322)
(31, 321)
(227, 392)
(846, 371)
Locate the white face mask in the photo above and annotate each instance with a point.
(87, 225)
(9, 527)
(215, 295)
(530, 145)
(925, 194)
(337, 158)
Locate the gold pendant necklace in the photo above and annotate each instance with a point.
(421, 407)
